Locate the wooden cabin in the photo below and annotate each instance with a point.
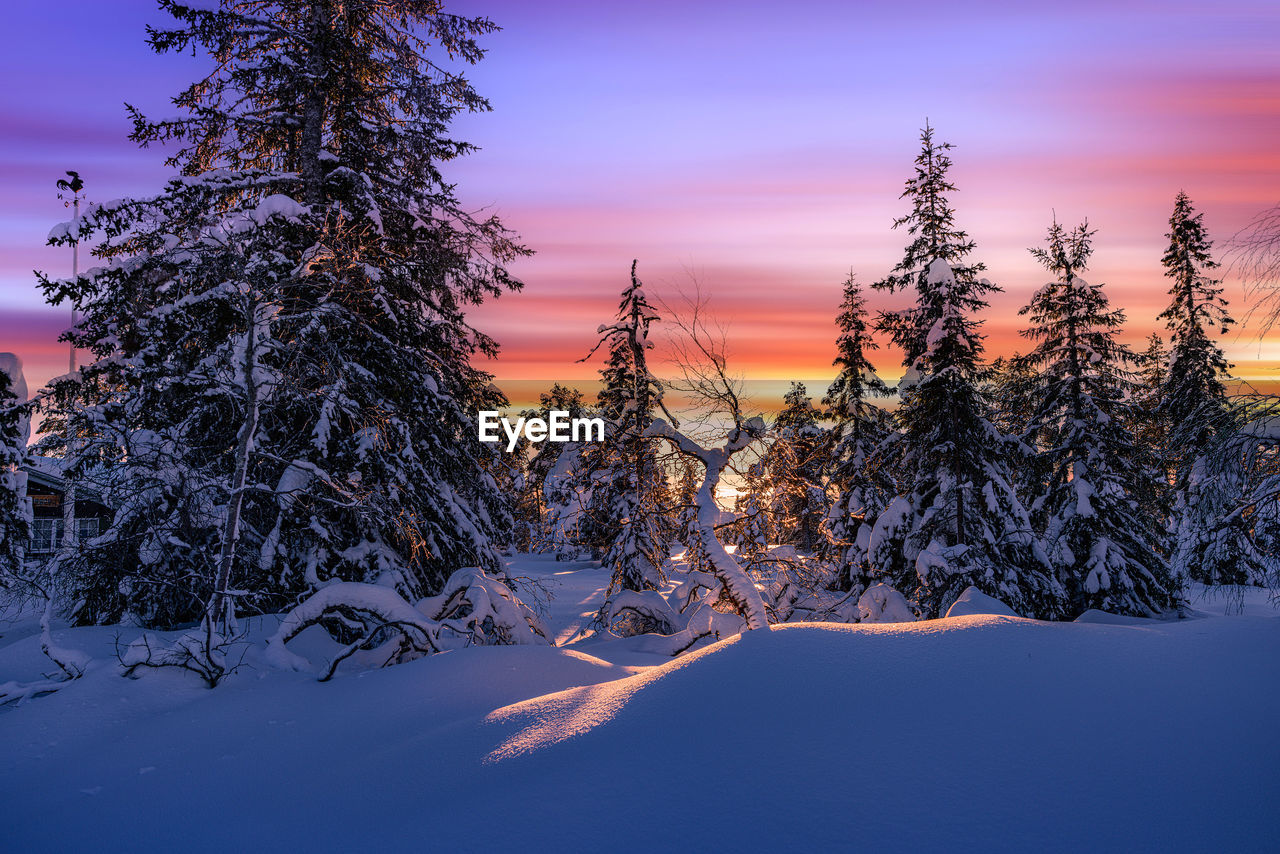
(47, 491)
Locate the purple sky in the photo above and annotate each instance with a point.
(758, 146)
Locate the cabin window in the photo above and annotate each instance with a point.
(46, 534)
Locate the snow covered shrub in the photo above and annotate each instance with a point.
(795, 586)
(627, 613)
(890, 557)
(71, 663)
(473, 609)
(882, 604)
(204, 651)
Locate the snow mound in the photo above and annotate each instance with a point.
(1008, 731)
(882, 604)
(974, 602)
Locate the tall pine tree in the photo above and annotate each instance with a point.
(1194, 395)
(627, 485)
(855, 468)
(968, 525)
(1193, 400)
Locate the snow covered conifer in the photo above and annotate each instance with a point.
(1193, 393)
(1012, 382)
(15, 515)
(968, 524)
(628, 487)
(280, 334)
(856, 470)
(1150, 427)
(542, 470)
(1103, 546)
(752, 533)
(792, 472)
(1193, 399)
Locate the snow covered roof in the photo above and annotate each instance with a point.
(47, 472)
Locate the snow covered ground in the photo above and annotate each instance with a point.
(979, 732)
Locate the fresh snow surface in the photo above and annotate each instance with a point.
(973, 601)
(973, 733)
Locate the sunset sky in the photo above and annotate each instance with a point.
(757, 147)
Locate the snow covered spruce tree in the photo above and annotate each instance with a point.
(1150, 427)
(1237, 506)
(1012, 383)
(752, 530)
(15, 514)
(1104, 548)
(966, 523)
(856, 472)
(792, 473)
(282, 395)
(543, 471)
(627, 484)
(1193, 399)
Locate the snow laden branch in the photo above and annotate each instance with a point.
(71, 663)
(700, 356)
(738, 586)
(473, 609)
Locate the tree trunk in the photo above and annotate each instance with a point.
(244, 447)
(313, 110)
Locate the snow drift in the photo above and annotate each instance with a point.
(975, 733)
